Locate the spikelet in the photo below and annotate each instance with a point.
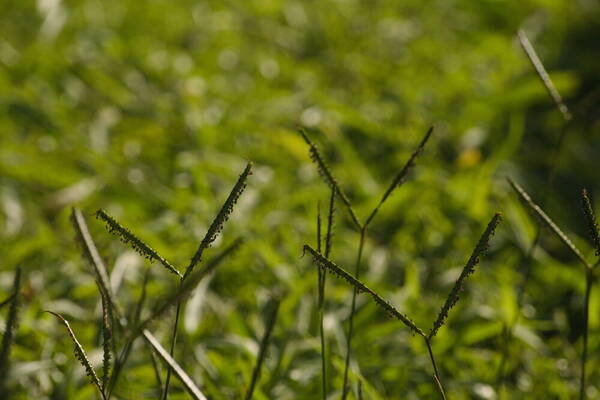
(360, 287)
(590, 218)
(136, 243)
(217, 225)
(12, 321)
(469, 268)
(328, 177)
(80, 353)
(537, 210)
(399, 179)
(106, 337)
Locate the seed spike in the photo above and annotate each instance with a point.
(469, 268)
(328, 177)
(80, 353)
(136, 243)
(326, 264)
(401, 176)
(217, 225)
(590, 218)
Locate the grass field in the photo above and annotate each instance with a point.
(151, 110)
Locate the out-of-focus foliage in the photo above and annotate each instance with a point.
(150, 109)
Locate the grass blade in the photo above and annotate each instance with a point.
(188, 285)
(80, 354)
(264, 343)
(217, 225)
(400, 178)
(469, 268)
(322, 262)
(329, 179)
(590, 218)
(187, 382)
(91, 253)
(136, 243)
(541, 72)
(12, 321)
(537, 210)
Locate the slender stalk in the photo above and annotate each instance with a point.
(436, 374)
(172, 350)
(352, 311)
(321, 295)
(586, 311)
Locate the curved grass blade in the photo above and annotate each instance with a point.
(541, 71)
(91, 253)
(469, 268)
(12, 321)
(217, 225)
(185, 379)
(328, 177)
(400, 178)
(322, 262)
(80, 354)
(537, 210)
(136, 243)
(264, 343)
(590, 218)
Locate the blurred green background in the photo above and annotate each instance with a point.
(150, 109)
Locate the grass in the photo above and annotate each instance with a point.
(150, 112)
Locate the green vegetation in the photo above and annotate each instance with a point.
(413, 115)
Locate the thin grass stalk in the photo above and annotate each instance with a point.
(80, 355)
(436, 373)
(401, 176)
(136, 243)
(215, 228)
(184, 378)
(329, 179)
(12, 322)
(156, 369)
(321, 296)
(543, 75)
(7, 300)
(586, 315)
(264, 343)
(351, 317)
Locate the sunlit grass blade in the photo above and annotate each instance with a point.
(541, 72)
(136, 243)
(217, 224)
(107, 336)
(10, 329)
(329, 179)
(80, 354)
(537, 210)
(400, 178)
(264, 343)
(322, 262)
(590, 218)
(468, 269)
(91, 253)
(188, 285)
(184, 378)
